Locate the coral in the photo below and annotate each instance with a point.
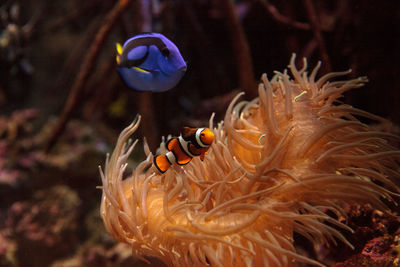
(21, 147)
(377, 252)
(374, 231)
(97, 255)
(48, 222)
(286, 162)
(7, 250)
(15, 132)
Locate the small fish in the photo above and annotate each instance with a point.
(191, 143)
(150, 62)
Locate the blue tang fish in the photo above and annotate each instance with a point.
(150, 62)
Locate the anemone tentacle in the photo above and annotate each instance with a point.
(276, 165)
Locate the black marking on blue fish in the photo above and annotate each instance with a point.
(142, 41)
(129, 63)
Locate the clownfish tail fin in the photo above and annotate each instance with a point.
(162, 163)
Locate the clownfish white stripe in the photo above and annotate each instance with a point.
(184, 144)
(198, 139)
(171, 157)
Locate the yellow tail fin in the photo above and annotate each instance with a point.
(119, 48)
(119, 52)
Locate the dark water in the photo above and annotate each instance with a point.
(48, 202)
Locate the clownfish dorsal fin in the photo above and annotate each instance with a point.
(188, 132)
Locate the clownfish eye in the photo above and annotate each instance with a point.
(165, 52)
(202, 134)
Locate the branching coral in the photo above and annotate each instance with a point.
(278, 163)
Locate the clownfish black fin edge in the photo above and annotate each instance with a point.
(156, 165)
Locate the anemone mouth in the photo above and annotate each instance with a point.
(276, 165)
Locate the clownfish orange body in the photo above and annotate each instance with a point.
(191, 143)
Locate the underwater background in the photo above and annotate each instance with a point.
(63, 104)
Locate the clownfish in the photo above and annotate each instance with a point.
(150, 62)
(191, 143)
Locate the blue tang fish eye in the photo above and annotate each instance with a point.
(150, 62)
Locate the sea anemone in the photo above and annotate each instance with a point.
(278, 166)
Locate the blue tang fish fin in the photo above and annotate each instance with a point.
(136, 78)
